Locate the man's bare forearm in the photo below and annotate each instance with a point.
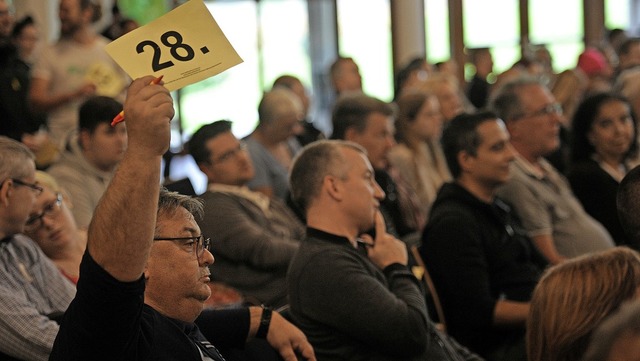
(122, 228)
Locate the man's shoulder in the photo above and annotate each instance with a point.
(453, 198)
(25, 246)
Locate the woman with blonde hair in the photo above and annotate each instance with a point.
(574, 297)
(54, 229)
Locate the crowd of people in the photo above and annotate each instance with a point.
(510, 202)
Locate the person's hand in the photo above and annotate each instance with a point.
(386, 249)
(288, 339)
(148, 112)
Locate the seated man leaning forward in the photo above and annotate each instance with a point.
(256, 237)
(352, 293)
(143, 280)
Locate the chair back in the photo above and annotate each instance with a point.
(433, 300)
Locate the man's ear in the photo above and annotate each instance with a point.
(333, 188)
(84, 137)
(350, 134)
(5, 192)
(513, 128)
(146, 271)
(464, 160)
(206, 169)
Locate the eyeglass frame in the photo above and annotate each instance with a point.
(47, 210)
(34, 186)
(553, 108)
(206, 243)
(230, 154)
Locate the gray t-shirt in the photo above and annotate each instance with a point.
(268, 171)
(546, 206)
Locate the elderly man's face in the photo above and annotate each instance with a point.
(537, 131)
(177, 279)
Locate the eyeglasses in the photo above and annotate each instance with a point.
(198, 243)
(242, 147)
(553, 108)
(35, 222)
(36, 188)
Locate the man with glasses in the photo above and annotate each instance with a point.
(256, 237)
(144, 278)
(32, 291)
(539, 194)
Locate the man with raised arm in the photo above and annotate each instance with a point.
(143, 280)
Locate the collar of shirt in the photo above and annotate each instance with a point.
(530, 169)
(259, 199)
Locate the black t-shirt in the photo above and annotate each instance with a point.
(108, 320)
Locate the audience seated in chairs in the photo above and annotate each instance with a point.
(144, 281)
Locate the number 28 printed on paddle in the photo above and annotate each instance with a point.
(185, 45)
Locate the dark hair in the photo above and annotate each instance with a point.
(582, 122)
(21, 25)
(286, 80)
(628, 205)
(351, 111)
(626, 46)
(461, 134)
(197, 144)
(95, 8)
(403, 74)
(169, 202)
(96, 110)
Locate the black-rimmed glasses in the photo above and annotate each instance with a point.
(36, 221)
(242, 147)
(36, 188)
(199, 243)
